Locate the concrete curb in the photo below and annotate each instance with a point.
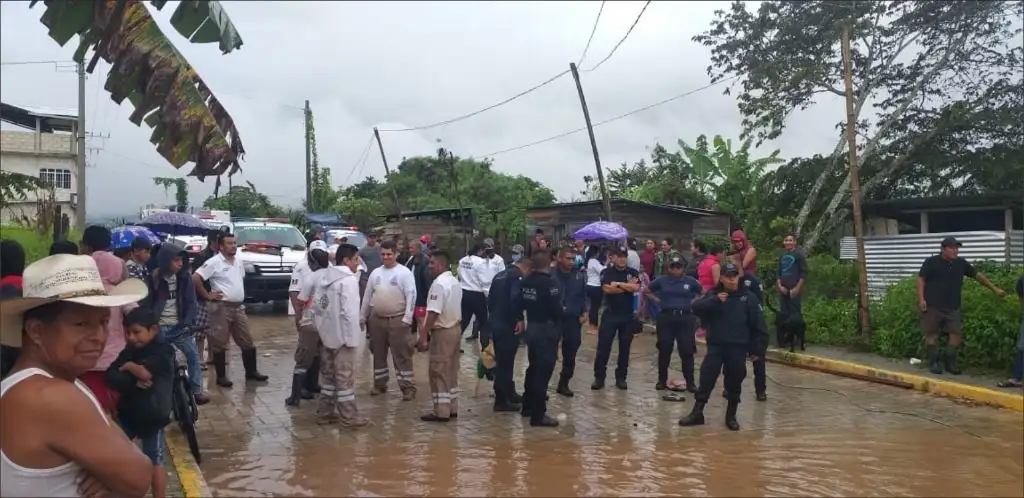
(193, 484)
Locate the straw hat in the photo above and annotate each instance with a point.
(63, 277)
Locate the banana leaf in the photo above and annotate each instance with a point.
(204, 21)
(189, 123)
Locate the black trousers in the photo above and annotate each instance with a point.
(760, 376)
(676, 328)
(594, 297)
(474, 305)
(613, 325)
(728, 360)
(542, 351)
(506, 345)
(572, 337)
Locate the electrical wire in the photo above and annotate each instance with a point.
(23, 63)
(616, 47)
(609, 120)
(360, 161)
(592, 31)
(481, 111)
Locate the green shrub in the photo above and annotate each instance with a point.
(36, 246)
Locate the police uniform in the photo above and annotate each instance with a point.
(676, 324)
(542, 305)
(735, 328)
(617, 319)
(573, 291)
(505, 310)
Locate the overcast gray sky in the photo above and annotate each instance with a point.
(396, 64)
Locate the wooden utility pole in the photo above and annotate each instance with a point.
(858, 218)
(605, 201)
(309, 159)
(80, 156)
(387, 178)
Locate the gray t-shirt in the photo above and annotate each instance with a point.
(371, 256)
(633, 260)
(792, 268)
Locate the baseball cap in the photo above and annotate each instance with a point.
(489, 243)
(730, 270)
(517, 249)
(951, 242)
(676, 261)
(620, 251)
(318, 244)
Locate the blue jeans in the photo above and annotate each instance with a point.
(186, 342)
(1018, 365)
(152, 443)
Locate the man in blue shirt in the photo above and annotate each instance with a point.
(572, 284)
(676, 324)
(506, 310)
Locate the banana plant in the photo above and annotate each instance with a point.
(189, 123)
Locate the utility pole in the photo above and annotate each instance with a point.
(394, 190)
(309, 160)
(605, 201)
(80, 157)
(858, 218)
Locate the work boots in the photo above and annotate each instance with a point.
(933, 360)
(311, 382)
(220, 366)
(249, 362)
(563, 388)
(730, 416)
(696, 416)
(951, 365)
(297, 391)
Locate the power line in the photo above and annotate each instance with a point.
(609, 120)
(485, 109)
(362, 158)
(592, 31)
(24, 63)
(616, 47)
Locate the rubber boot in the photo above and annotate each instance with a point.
(249, 362)
(730, 416)
(311, 384)
(696, 416)
(297, 390)
(933, 359)
(951, 365)
(220, 366)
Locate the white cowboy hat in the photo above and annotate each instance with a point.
(63, 277)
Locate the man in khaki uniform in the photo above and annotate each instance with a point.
(443, 324)
(387, 310)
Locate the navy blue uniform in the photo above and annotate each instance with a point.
(734, 329)
(617, 319)
(542, 303)
(573, 289)
(676, 324)
(753, 284)
(505, 306)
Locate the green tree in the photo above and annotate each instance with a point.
(967, 60)
(16, 187)
(180, 190)
(245, 201)
(324, 197)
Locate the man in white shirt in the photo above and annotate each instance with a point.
(387, 310)
(226, 276)
(472, 271)
(334, 294)
(307, 364)
(440, 333)
(493, 265)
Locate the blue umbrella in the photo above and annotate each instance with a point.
(602, 230)
(122, 237)
(172, 223)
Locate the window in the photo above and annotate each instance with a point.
(59, 178)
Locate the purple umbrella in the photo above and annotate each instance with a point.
(602, 230)
(122, 237)
(172, 223)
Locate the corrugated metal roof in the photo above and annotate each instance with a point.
(620, 201)
(50, 119)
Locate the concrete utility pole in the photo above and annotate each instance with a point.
(80, 157)
(394, 190)
(605, 201)
(309, 160)
(858, 218)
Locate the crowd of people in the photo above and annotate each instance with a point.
(90, 336)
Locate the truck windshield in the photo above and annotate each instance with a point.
(286, 236)
(355, 238)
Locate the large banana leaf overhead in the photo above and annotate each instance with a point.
(189, 123)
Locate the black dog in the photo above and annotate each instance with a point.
(789, 328)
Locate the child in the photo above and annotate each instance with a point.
(143, 374)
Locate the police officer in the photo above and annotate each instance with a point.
(753, 284)
(505, 312)
(619, 283)
(542, 304)
(735, 329)
(572, 285)
(676, 324)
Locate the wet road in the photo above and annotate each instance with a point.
(800, 442)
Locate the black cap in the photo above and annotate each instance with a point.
(676, 261)
(951, 242)
(730, 270)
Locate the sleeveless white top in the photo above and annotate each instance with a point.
(59, 481)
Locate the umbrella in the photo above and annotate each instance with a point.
(602, 230)
(122, 237)
(173, 223)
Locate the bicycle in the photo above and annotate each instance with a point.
(185, 410)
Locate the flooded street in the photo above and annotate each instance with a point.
(801, 442)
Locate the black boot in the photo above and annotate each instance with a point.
(311, 384)
(951, 366)
(296, 396)
(933, 360)
(220, 366)
(730, 416)
(544, 422)
(249, 362)
(563, 388)
(597, 385)
(696, 416)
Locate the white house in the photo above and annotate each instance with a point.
(47, 150)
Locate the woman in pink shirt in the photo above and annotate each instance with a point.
(710, 268)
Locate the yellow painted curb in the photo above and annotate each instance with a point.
(193, 485)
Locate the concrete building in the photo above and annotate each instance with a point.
(46, 150)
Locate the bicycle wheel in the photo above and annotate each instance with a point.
(193, 443)
(185, 413)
